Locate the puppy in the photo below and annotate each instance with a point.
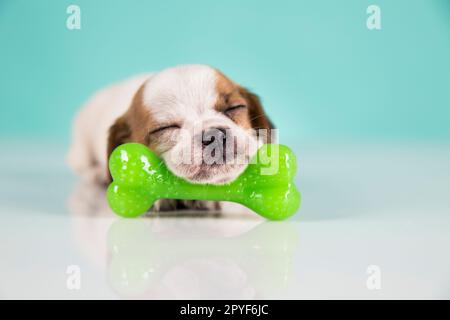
(195, 118)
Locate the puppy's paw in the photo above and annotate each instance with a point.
(200, 205)
(164, 205)
(173, 205)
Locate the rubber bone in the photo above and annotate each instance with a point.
(266, 186)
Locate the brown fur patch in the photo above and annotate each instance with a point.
(230, 94)
(133, 126)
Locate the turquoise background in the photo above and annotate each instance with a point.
(321, 73)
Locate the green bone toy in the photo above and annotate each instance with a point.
(266, 186)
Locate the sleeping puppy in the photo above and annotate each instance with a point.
(195, 118)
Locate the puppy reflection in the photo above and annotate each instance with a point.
(92, 216)
(240, 257)
(89, 199)
(195, 259)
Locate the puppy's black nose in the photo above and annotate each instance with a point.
(211, 134)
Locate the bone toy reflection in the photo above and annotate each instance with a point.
(140, 178)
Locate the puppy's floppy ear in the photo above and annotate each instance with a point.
(119, 133)
(127, 127)
(258, 118)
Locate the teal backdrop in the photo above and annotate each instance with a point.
(322, 75)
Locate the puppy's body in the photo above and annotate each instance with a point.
(168, 111)
(87, 155)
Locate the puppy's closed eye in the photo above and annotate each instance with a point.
(165, 128)
(231, 110)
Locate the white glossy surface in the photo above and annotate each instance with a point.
(374, 205)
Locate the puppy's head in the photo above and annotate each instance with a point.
(200, 122)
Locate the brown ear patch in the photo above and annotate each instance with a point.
(230, 93)
(133, 126)
(128, 127)
(119, 133)
(258, 117)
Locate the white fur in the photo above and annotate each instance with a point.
(184, 92)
